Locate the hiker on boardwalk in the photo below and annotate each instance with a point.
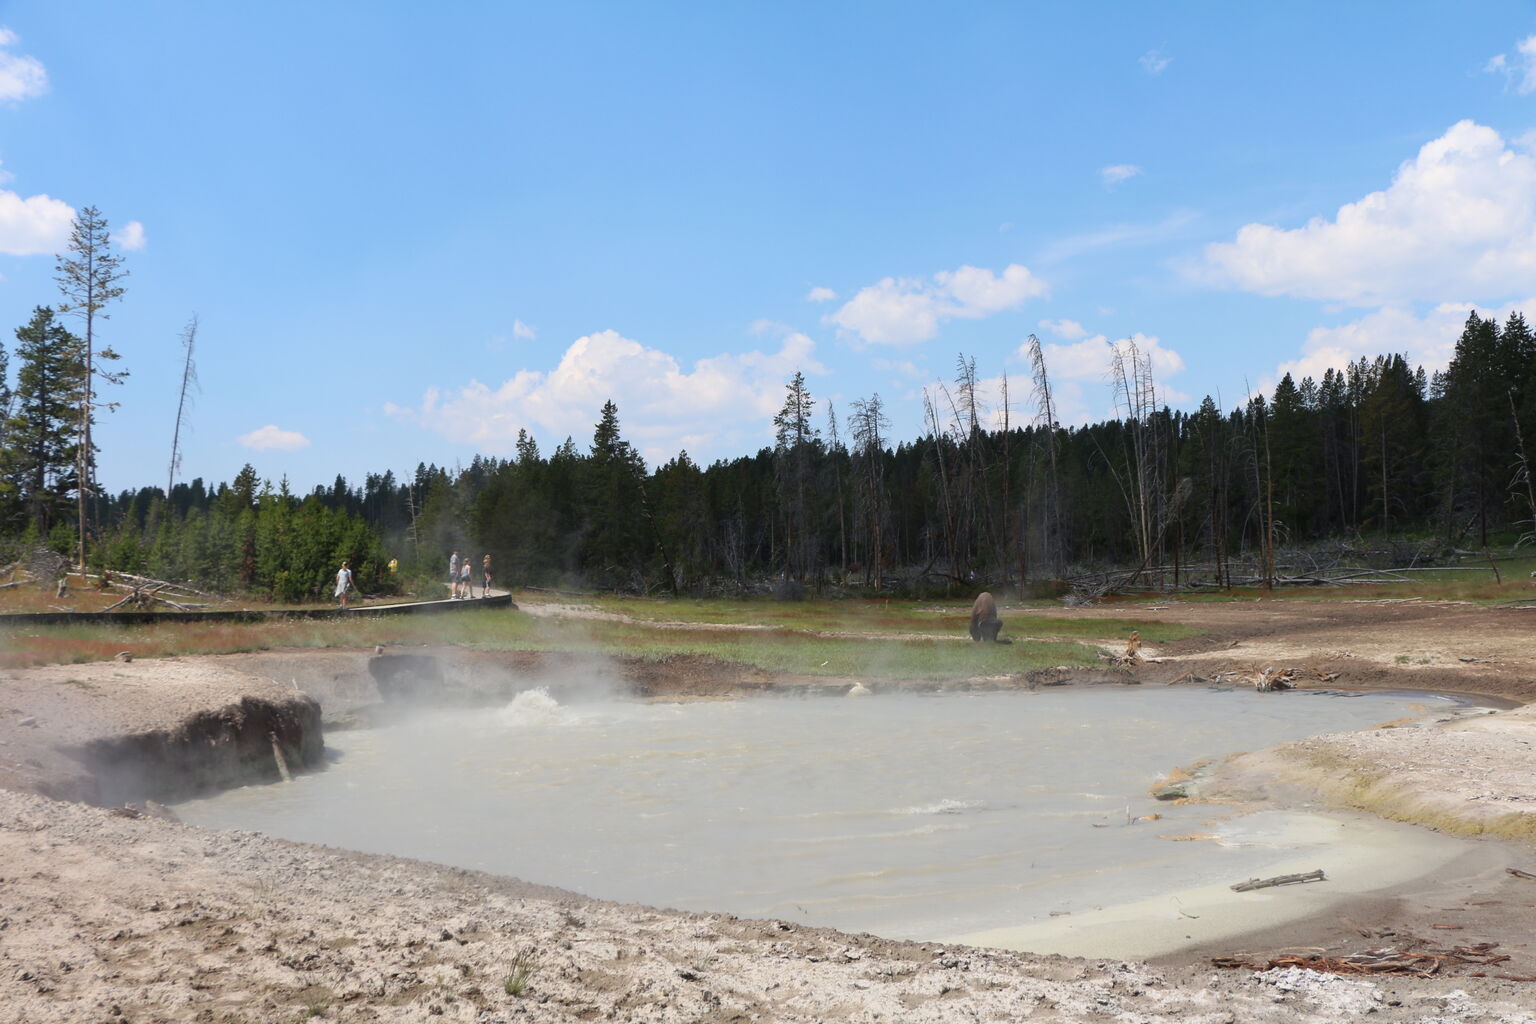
(343, 583)
(453, 576)
(466, 581)
(485, 567)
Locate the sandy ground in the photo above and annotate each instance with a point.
(47, 711)
(107, 918)
(110, 919)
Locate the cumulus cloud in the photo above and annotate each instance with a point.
(1520, 73)
(1153, 62)
(1457, 220)
(1069, 329)
(21, 78)
(37, 224)
(900, 368)
(130, 236)
(273, 438)
(717, 407)
(1080, 374)
(820, 294)
(1114, 174)
(905, 311)
(1428, 341)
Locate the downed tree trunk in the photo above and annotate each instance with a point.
(1265, 883)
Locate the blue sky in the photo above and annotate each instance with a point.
(409, 230)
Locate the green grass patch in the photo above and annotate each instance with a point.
(779, 650)
(881, 616)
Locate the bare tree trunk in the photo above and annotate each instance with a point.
(1523, 475)
(1053, 493)
(188, 381)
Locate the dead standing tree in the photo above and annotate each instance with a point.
(1522, 475)
(868, 426)
(188, 384)
(795, 449)
(1140, 481)
(1047, 419)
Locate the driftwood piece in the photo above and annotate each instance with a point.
(1265, 883)
(144, 581)
(140, 595)
(1521, 874)
(1418, 958)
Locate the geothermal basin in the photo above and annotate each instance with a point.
(1019, 819)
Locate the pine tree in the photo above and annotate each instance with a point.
(1476, 435)
(616, 513)
(794, 452)
(40, 455)
(89, 278)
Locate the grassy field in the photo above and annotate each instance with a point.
(880, 616)
(852, 637)
(844, 638)
(1470, 582)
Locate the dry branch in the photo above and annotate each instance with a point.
(1265, 883)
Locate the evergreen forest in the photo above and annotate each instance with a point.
(1377, 453)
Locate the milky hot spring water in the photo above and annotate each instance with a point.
(910, 816)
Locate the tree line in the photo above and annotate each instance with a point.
(1376, 449)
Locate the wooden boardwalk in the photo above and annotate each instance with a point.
(498, 599)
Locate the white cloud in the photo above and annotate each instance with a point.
(905, 311)
(21, 77)
(820, 294)
(38, 224)
(1153, 62)
(130, 236)
(1119, 236)
(1069, 329)
(523, 331)
(719, 407)
(1092, 357)
(1114, 174)
(273, 438)
(1428, 341)
(1080, 374)
(1527, 50)
(1522, 72)
(900, 368)
(1459, 219)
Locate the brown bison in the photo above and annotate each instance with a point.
(985, 625)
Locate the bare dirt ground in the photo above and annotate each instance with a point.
(108, 918)
(1410, 644)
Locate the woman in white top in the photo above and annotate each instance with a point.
(343, 583)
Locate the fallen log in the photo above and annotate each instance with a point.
(1520, 874)
(1417, 959)
(1265, 883)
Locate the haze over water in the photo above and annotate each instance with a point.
(912, 816)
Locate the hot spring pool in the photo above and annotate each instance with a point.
(911, 816)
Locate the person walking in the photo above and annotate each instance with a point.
(466, 582)
(485, 568)
(343, 583)
(453, 576)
